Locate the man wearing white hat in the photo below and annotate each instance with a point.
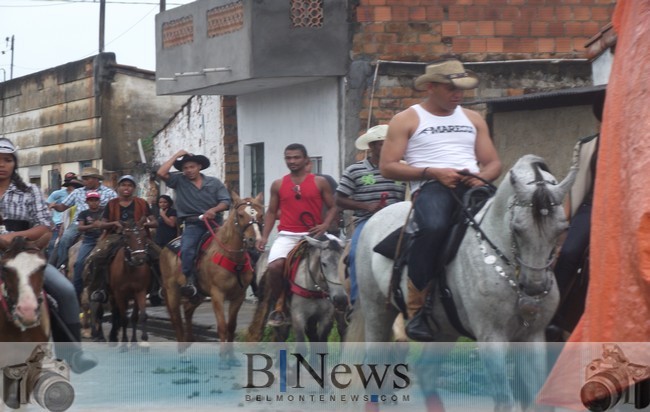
(365, 191)
(439, 140)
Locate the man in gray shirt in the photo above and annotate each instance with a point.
(196, 194)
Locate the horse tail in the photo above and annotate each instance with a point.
(257, 325)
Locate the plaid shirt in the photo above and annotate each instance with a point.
(29, 206)
(78, 197)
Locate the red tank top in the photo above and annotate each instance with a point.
(308, 206)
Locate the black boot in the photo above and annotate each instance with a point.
(68, 347)
(419, 328)
(188, 289)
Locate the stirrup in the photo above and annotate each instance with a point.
(188, 289)
(99, 296)
(276, 319)
(418, 328)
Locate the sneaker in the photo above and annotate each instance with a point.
(99, 296)
(276, 319)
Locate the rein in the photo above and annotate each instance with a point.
(527, 304)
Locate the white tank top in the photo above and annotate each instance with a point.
(442, 142)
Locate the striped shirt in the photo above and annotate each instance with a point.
(362, 182)
(29, 206)
(78, 198)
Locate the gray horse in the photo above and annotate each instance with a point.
(501, 280)
(316, 293)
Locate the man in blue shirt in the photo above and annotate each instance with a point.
(70, 183)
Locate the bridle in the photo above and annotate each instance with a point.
(141, 247)
(257, 226)
(321, 289)
(529, 301)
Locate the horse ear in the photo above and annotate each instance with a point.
(314, 242)
(517, 186)
(565, 185)
(260, 198)
(235, 197)
(43, 241)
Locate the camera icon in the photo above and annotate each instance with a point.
(615, 379)
(41, 378)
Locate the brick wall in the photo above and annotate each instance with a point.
(473, 30)
(231, 150)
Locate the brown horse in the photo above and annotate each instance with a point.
(224, 281)
(129, 279)
(23, 311)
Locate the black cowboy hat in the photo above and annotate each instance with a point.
(200, 159)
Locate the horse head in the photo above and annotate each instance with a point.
(536, 219)
(248, 217)
(134, 236)
(21, 283)
(323, 269)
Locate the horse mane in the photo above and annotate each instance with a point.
(227, 231)
(543, 203)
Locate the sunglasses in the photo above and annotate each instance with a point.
(296, 189)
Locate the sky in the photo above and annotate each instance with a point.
(55, 32)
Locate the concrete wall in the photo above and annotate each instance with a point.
(549, 133)
(197, 128)
(131, 111)
(308, 114)
(89, 112)
(255, 45)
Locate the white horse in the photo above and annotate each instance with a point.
(501, 279)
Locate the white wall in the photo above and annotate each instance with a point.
(307, 113)
(198, 129)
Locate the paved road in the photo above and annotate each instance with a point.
(204, 322)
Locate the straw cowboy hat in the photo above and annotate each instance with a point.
(374, 134)
(200, 159)
(450, 72)
(91, 172)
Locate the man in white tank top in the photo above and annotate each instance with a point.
(438, 139)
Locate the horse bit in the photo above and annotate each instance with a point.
(527, 305)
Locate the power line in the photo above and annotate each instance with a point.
(66, 2)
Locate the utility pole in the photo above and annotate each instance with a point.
(11, 48)
(162, 5)
(102, 18)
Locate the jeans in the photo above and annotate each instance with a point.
(433, 211)
(65, 243)
(352, 258)
(61, 289)
(50, 246)
(87, 245)
(189, 243)
(573, 249)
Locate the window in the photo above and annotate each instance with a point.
(255, 158)
(316, 165)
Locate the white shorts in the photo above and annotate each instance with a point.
(283, 243)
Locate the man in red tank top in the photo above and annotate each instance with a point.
(298, 199)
